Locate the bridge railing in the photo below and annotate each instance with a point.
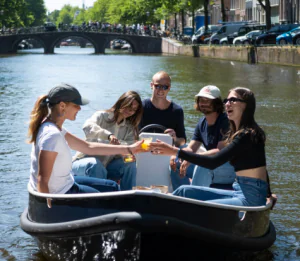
(70, 28)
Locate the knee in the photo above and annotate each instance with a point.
(115, 186)
(92, 163)
(181, 191)
(130, 168)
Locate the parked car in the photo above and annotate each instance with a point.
(224, 31)
(186, 37)
(224, 41)
(248, 38)
(206, 40)
(244, 30)
(49, 27)
(270, 36)
(201, 34)
(296, 38)
(287, 38)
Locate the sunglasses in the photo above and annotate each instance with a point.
(232, 99)
(161, 87)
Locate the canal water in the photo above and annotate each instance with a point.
(102, 79)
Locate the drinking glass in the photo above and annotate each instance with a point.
(145, 144)
(127, 158)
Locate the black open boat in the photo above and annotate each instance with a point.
(74, 226)
(133, 225)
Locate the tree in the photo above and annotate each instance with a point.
(65, 15)
(81, 17)
(99, 11)
(267, 7)
(193, 5)
(223, 11)
(12, 10)
(53, 16)
(37, 9)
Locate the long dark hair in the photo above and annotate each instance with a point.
(125, 101)
(248, 123)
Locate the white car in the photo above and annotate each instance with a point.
(246, 39)
(224, 41)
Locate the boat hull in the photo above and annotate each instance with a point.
(81, 225)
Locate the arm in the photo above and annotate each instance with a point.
(180, 131)
(93, 148)
(92, 127)
(236, 147)
(193, 146)
(179, 141)
(46, 163)
(220, 146)
(212, 161)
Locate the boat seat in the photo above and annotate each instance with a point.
(153, 169)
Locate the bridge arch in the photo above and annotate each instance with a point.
(80, 35)
(112, 37)
(26, 37)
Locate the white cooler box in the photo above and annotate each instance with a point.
(153, 169)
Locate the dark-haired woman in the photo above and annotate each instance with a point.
(51, 159)
(119, 124)
(245, 149)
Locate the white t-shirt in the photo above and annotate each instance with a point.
(50, 138)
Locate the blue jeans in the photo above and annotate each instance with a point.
(92, 185)
(203, 177)
(115, 170)
(224, 174)
(176, 180)
(246, 192)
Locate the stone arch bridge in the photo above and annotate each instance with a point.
(139, 44)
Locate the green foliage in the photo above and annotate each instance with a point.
(33, 12)
(81, 17)
(12, 11)
(37, 9)
(99, 11)
(66, 15)
(53, 16)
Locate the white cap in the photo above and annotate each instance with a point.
(210, 92)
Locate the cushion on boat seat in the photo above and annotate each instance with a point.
(153, 169)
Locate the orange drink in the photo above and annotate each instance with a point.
(128, 158)
(145, 144)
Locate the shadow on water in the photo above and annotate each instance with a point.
(130, 245)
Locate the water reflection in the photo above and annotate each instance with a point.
(117, 245)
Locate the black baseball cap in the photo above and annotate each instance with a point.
(66, 93)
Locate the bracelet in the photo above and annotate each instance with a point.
(129, 150)
(109, 136)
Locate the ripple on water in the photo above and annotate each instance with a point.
(102, 79)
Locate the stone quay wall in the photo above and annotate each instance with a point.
(283, 55)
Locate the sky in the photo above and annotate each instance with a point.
(51, 5)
